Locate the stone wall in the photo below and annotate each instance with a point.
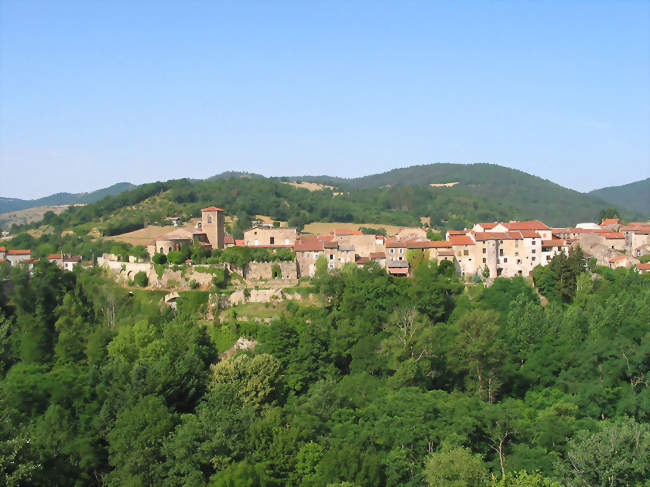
(264, 270)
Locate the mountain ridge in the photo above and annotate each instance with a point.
(63, 198)
(635, 196)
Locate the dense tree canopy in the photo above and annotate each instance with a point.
(388, 382)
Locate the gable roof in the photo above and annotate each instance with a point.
(488, 225)
(612, 234)
(461, 240)
(526, 225)
(19, 252)
(643, 267)
(610, 221)
(308, 245)
(211, 208)
(482, 236)
(554, 243)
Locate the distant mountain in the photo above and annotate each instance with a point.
(15, 204)
(634, 195)
(532, 196)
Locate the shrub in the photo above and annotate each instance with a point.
(176, 257)
(159, 259)
(141, 279)
(276, 272)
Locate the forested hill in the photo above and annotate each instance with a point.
(634, 195)
(532, 196)
(15, 204)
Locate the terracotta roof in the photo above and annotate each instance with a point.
(643, 267)
(440, 244)
(482, 236)
(529, 234)
(239, 243)
(457, 232)
(2, 249)
(553, 243)
(526, 225)
(419, 244)
(229, 239)
(489, 225)
(211, 208)
(612, 235)
(325, 238)
(395, 243)
(55, 256)
(461, 240)
(618, 257)
(19, 252)
(398, 270)
(377, 255)
(4, 260)
(398, 263)
(638, 227)
(308, 245)
(361, 260)
(610, 221)
(330, 244)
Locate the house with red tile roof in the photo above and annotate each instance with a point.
(15, 257)
(623, 261)
(643, 268)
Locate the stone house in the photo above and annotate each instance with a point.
(636, 235)
(308, 250)
(260, 236)
(552, 247)
(623, 261)
(464, 249)
(209, 233)
(65, 261)
(15, 257)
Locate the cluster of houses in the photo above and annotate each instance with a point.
(24, 256)
(492, 249)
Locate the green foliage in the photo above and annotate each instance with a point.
(159, 259)
(455, 467)
(141, 279)
(616, 455)
(607, 213)
(389, 382)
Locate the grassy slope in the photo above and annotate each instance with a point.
(634, 195)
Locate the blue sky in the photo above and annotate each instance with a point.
(93, 93)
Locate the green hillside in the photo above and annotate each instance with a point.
(15, 204)
(532, 196)
(634, 195)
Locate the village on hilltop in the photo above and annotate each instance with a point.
(488, 250)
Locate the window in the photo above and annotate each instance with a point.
(484, 250)
(331, 256)
(161, 250)
(516, 243)
(501, 242)
(209, 219)
(505, 259)
(392, 251)
(484, 260)
(533, 241)
(533, 258)
(272, 240)
(401, 251)
(518, 261)
(533, 251)
(548, 257)
(466, 252)
(501, 252)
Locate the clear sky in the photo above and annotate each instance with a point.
(92, 93)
